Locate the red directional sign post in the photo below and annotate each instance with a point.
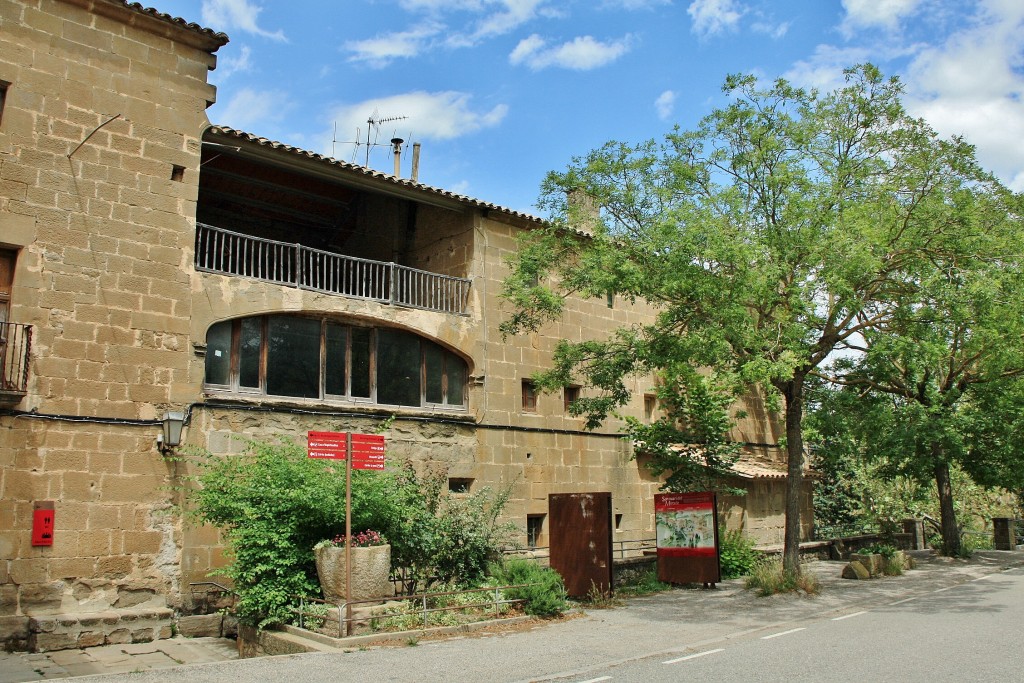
(367, 452)
(361, 452)
(327, 445)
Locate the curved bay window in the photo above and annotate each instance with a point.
(294, 356)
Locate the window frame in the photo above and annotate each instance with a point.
(529, 389)
(234, 347)
(570, 394)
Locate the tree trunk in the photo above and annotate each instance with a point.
(950, 530)
(793, 392)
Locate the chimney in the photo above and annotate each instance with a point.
(396, 145)
(415, 162)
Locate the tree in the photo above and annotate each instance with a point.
(689, 444)
(949, 366)
(787, 224)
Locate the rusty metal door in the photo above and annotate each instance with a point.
(581, 540)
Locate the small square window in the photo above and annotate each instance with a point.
(650, 406)
(529, 396)
(4, 85)
(570, 394)
(177, 173)
(534, 530)
(459, 485)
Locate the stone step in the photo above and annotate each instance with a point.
(90, 629)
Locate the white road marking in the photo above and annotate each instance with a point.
(694, 656)
(595, 680)
(900, 602)
(847, 616)
(784, 633)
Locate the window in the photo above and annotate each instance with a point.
(569, 395)
(314, 358)
(177, 173)
(459, 485)
(610, 300)
(529, 396)
(7, 260)
(650, 405)
(4, 85)
(534, 530)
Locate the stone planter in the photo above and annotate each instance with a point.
(370, 569)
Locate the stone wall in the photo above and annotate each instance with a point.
(99, 149)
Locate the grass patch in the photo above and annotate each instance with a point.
(643, 583)
(767, 577)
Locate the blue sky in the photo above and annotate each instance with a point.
(499, 92)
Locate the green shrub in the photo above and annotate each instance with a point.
(643, 583)
(543, 589)
(273, 504)
(737, 554)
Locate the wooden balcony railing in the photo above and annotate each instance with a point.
(232, 253)
(15, 347)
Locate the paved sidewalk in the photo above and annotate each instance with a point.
(18, 667)
(640, 625)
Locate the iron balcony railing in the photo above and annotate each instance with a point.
(15, 347)
(232, 253)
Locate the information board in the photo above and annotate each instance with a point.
(687, 531)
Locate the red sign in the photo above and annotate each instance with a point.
(42, 526)
(326, 445)
(367, 452)
(685, 524)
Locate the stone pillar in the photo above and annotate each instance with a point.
(1003, 536)
(915, 527)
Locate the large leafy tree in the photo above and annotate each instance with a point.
(782, 227)
(946, 373)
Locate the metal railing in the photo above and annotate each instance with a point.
(425, 605)
(15, 347)
(232, 253)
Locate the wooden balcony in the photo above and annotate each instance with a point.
(294, 265)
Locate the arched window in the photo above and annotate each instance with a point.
(302, 357)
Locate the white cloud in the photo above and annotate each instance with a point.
(714, 16)
(824, 69)
(633, 4)
(227, 65)
(384, 49)
(502, 17)
(972, 85)
(665, 104)
(775, 31)
(241, 14)
(876, 13)
(580, 54)
(428, 116)
(254, 111)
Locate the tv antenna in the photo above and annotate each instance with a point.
(373, 124)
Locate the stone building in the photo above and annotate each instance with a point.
(154, 267)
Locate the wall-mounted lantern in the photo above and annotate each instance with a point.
(171, 437)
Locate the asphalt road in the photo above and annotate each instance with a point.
(946, 620)
(970, 632)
